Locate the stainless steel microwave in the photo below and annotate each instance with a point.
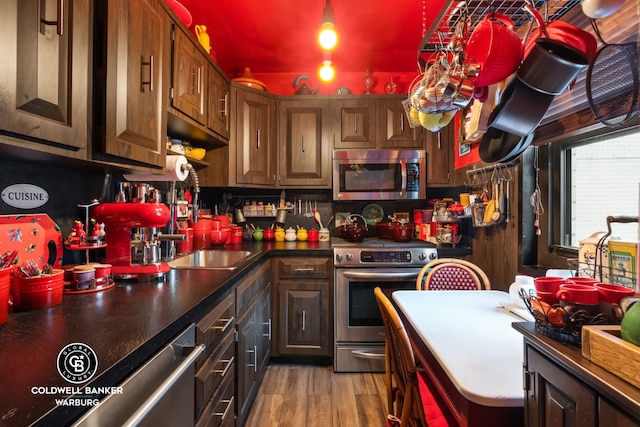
(379, 174)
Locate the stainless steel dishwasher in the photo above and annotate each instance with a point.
(160, 393)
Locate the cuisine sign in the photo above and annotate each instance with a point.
(24, 196)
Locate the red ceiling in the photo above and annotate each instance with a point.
(278, 37)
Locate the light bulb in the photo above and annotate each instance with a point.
(328, 38)
(327, 72)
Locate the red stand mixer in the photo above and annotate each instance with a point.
(138, 255)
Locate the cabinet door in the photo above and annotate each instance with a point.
(393, 127)
(263, 330)
(190, 69)
(439, 156)
(303, 317)
(610, 416)
(218, 103)
(554, 398)
(246, 362)
(354, 124)
(255, 155)
(304, 144)
(44, 74)
(132, 77)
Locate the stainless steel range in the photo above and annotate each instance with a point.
(359, 268)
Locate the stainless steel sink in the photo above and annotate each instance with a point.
(213, 259)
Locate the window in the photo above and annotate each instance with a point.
(602, 179)
(582, 181)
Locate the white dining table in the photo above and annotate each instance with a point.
(469, 334)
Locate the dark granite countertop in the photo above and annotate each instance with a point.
(124, 325)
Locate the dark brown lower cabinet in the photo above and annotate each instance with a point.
(565, 389)
(253, 337)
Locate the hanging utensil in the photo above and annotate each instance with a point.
(536, 196)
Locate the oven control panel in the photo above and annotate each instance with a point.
(384, 257)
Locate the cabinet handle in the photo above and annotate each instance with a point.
(439, 142)
(255, 358)
(258, 139)
(199, 80)
(268, 334)
(229, 403)
(301, 269)
(402, 123)
(229, 364)
(355, 124)
(59, 23)
(304, 320)
(226, 325)
(225, 103)
(150, 81)
(302, 141)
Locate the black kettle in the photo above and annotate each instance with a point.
(303, 89)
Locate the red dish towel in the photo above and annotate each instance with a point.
(432, 412)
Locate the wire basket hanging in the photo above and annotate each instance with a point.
(613, 82)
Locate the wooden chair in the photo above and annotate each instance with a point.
(401, 374)
(452, 274)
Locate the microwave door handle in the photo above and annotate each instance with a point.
(403, 171)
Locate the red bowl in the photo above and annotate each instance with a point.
(219, 237)
(32, 293)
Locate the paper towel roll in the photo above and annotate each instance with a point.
(175, 170)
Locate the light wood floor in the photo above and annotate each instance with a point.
(315, 396)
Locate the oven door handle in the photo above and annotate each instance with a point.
(378, 276)
(367, 355)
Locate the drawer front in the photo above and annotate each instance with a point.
(298, 268)
(214, 370)
(251, 287)
(211, 329)
(220, 411)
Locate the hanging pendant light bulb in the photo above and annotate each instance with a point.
(327, 72)
(328, 38)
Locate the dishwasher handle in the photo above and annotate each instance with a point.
(155, 397)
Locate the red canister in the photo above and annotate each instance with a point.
(313, 235)
(31, 293)
(201, 234)
(185, 245)
(236, 235)
(5, 275)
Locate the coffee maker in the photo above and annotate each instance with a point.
(133, 238)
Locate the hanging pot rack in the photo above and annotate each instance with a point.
(440, 30)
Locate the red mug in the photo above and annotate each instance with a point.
(548, 283)
(613, 293)
(578, 294)
(548, 297)
(583, 280)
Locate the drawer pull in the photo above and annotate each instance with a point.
(302, 269)
(226, 325)
(229, 364)
(229, 403)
